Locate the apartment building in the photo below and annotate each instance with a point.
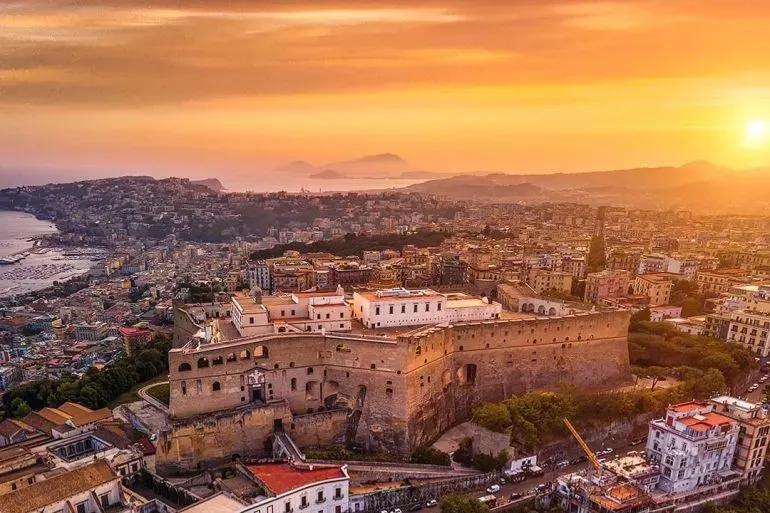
(694, 446)
(753, 438)
(607, 283)
(542, 280)
(751, 329)
(259, 275)
(656, 286)
(719, 280)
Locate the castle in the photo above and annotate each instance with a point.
(390, 390)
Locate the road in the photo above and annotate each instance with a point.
(526, 488)
(150, 399)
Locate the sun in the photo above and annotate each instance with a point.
(757, 133)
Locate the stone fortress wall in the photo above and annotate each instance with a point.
(382, 393)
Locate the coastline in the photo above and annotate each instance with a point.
(33, 260)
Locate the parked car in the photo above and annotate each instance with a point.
(541, 488)
(579, 459)
(562, 464)
(605, 451)
(415, 507)
(638, 441)
(516, 495)
(153, 437)
(493, 489)
(431, 503)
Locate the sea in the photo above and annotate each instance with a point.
(39, 267)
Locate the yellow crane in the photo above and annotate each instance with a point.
(589, 453)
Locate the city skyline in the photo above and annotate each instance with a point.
(95, 88)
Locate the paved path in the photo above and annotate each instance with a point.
(150, 399)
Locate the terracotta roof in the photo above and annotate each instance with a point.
(10, 427)
(687, 407)
(281, 477)
(58, 488)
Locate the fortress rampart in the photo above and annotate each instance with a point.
(389, 394)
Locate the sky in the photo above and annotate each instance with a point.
(218, 87)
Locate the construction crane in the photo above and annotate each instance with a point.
(589, 453)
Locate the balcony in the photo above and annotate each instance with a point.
(338, 497)
(321, 500)
(304, 505)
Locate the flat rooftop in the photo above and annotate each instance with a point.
(282, 477)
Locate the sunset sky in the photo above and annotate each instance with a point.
(93, 87)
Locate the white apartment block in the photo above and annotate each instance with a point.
(693, 445)
(300, 312)
(402, 307)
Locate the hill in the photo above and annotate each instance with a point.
(212, 183)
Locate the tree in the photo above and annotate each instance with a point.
(641, 315)
(462, 504)
(493, 416)
(19, 408)
(597, 257)
(430, 456)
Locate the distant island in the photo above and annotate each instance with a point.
(328, 174)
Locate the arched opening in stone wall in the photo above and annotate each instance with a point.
(466, 375)
(282, 329)
(293, 384)
(184, 367)
(330, 392)
(244, 355)
(312, 391)
(217, 361)
(552, 311)
(260, 352)
(203, 362)
(541, 309)
(232, 358)
(216, 387)
(446, 378)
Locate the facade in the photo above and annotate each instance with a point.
(656, 286)
(293, 488)
(719, 280)
(576, 266)
(693, 445)
(10, 376)
(607, 283)
(717, 326)
(259, 275)
(401, 307)
(94, 488)
(542, 280)
(623, 260)
(753, 438)
(300, 312)
(94, 332)
(652, 263)
(751, 329)
(391, 391)
(134, 337)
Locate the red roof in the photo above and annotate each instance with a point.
(686, 407)
(282, 477)
(130, 331)
(706, 422)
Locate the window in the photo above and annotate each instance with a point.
(199, 386)
(439, 306)
(184, 367)
(251, 320)
(403, 308)
(415, 308)
(283, 313)
(104, 499)
(377, 310)
(337, 509)
(338, 493)
(390, 309)
(293, 384)
(184, 388)
(81, 508)
(216, 387)
(427, 307)
(303, 502)
(342, 315)
(328, 316)
(320, 498)
(309, 371)
(287, 507)
(292, 312)
(318, 316)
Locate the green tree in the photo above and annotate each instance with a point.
(461, 504)
(641, 315)
(19, 408)
(493, 416)
(430, 456)
(597, 256)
